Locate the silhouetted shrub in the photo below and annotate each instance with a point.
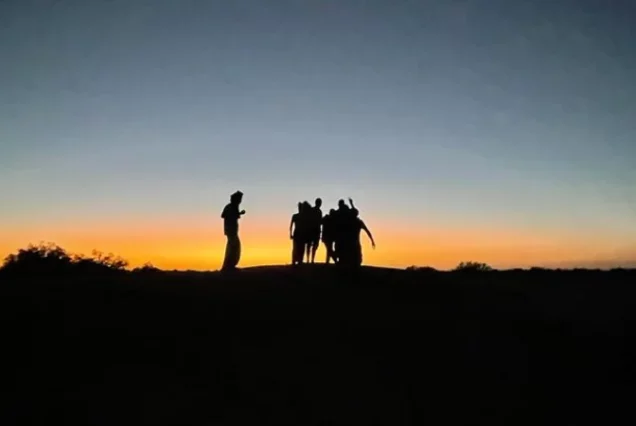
(421, 268)
(109, 260)
(51, 259)
(44, 257)
(99, 261)
(472, 266)
(147, 268)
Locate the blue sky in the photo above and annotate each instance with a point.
(518, 114)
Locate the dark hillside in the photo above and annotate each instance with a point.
(314, 345)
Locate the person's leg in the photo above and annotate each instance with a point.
(345, 254)
(358, 254)
(314, 248)
(230, 260)
(297, 252)
(300, 251)
(350, 253)
(226, 258)
(328, 257)
(237, 251)
(340, 252)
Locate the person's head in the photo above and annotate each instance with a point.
(332, 211)
(300, 207)
(236, 198)
(306, 205)
(318, 202)
(342, 204)
(355, 212)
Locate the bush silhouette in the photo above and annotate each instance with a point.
(109, 260)
(421, 268)
(45, 257)
(51, 259)
(147, 268)
(472, 266)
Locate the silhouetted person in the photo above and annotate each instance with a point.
(297, 236)
(347, 234)
(231, 216)
(340, 226)
(328, 235)
(306, 219)
(315, 221)
(357, 226)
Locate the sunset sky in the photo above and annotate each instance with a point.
(490, 130)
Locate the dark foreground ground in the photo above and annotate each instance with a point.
(280, 346)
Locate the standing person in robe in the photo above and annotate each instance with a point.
(296, 234)
(231, 216)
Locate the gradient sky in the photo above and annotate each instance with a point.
(489, 130)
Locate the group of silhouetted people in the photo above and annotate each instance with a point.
(339, 230)
(304, 231)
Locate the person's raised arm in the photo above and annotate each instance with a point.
(364, 226)
(351, 203)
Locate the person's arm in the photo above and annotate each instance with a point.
(236, 213)
(364, 226)
(351, 203)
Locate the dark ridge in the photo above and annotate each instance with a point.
(317, 344)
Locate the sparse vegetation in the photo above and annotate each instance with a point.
(51, 259)
(147, 268)
(473, 266)
(421, 268)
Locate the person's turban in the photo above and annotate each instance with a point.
(236, 196)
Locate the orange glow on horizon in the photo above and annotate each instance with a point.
(198, 244)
